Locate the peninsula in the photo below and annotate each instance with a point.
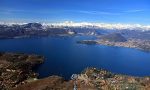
(118, 40)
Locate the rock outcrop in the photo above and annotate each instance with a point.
(16, 74)
(90, 79)
(15, 69)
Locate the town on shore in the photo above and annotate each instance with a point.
(118, 40)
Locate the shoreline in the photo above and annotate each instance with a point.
(143, 45)
(17, 74)
(90, 78)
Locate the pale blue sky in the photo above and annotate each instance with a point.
(107, 11)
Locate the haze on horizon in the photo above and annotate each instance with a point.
(107, 11)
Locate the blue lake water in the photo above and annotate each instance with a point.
(64, 57)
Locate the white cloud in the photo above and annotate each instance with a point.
(93, 12)
(133, 11)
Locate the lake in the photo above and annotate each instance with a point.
(64, 57)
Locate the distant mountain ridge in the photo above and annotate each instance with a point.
(114, 37)
(109, 26)
(28, 30)
(32, 25)
(43, 29)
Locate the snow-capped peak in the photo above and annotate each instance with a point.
(117, 26)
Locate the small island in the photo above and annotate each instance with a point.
(89, 42)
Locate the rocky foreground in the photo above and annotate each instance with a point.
(89, 79)
(16, 69)
(16, 74)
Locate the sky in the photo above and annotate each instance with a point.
(106, 11)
